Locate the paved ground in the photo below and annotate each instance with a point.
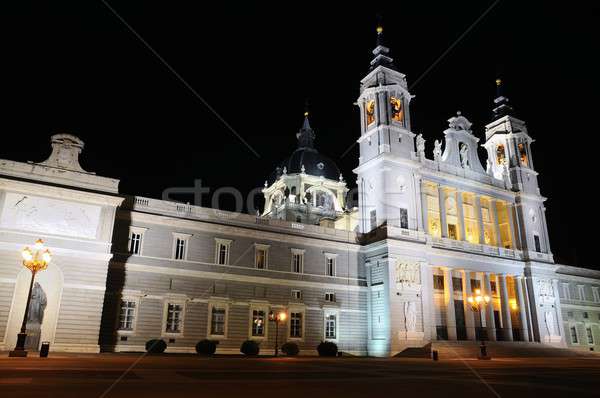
(136, 376)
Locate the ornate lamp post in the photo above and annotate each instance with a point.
(277, 318)
(35, 260)
(478, 301)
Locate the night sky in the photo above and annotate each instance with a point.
(69, 67)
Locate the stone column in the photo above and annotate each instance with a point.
(469, 314)
(424, 208)
(494, 211)
(460, 215)
(522, 308)
(511, 223)
(479, 219)
(490, 323)
(442, 206)
(505, 308)
(449, 298)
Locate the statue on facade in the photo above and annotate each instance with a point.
(420, 145)
(464, 156)
(410, 316)
(437, 150)
(549, 319)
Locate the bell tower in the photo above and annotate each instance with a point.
(386, 182)
(508, 145)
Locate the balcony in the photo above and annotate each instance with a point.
(445, 243)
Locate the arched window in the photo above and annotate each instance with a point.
(323, 200)
(293, 190)
(500, 154)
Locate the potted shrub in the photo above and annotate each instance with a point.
(155, 346)
(250, 347)
(206, 347)
(327, 349)
(290, 349)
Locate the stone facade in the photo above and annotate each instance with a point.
(438, 248)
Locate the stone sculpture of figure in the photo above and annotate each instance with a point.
(37, 305)
(549, 318)
(464, 155)
(420, 145)
(437, 151)
(410, 316)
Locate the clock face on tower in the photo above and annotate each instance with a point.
(397, 110)
(370, 111)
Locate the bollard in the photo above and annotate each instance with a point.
(44, 349)
(434, 355)
(483, 354)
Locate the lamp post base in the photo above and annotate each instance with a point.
(19, 351)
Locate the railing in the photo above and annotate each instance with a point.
(447, 243)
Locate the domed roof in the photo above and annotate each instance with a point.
(306, 155)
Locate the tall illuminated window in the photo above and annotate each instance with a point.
(370, 112)
(397, 109)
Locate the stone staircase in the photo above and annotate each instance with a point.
(496, 349)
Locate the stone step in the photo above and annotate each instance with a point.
(470, 349)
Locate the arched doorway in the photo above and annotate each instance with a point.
(44, 307)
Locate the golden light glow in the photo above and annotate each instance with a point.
(513, 304)
(379, 29)
(282, 316)
(39, 260)
(477, 300)
(498, 82)
(523, 154)
(500, 154)
(305, 114)
(370, 111)
(397, 110)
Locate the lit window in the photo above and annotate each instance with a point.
(574, 339)
(438, 282)
(222, 251)
(297, 261)
(217, 321)
(258, 323)
(457, 284)
(261, 255)
(296, 324)
(174, 318)
(500, 155)
(330, 326)
(370, 112)
(127, 315)
(297, 294)
(397, 110)
(330, 297)
(523, 154)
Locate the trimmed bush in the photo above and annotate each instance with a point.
(290, 349)
(250, 347)
(206, 347)
(327, 349)
(155, 346)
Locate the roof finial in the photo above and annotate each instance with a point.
(381, 52)
(503, 107)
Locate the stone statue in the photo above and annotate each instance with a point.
(464, 156)
(549, 319)
(420, 145)
(410, 316)
(437, 150)
(37, 305)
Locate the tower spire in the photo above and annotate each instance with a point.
(306, 135)
(503, 107)
(381, 52)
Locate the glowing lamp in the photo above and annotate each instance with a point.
(380, 29)
(282, 316)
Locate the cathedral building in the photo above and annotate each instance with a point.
(440, 247)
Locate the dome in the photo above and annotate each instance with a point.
(306, 155)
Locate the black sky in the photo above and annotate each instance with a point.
(76, 68)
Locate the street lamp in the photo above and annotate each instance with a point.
(479, 301)
(35, 260)
(277, 318)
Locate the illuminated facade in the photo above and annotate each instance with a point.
(402, 269)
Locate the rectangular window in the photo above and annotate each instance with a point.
(222, 251)
(403, 218)
(174, 316)
(330, 297)
(180, 248)
(538, 245)
(438, 282)
(217, 321)
(296, 294)
(330, 266)
(330, 325)
(261, 255)
(581, 292)
(457, 284)
(574, 339)
(452, 233)
(596, 294)
(373, 216)
(127, 315)
(297, 261)
(258, 323)
(493, 287)
(586, 315)
(475, 284)
(566, 292)
(296, 324)
(135, 242)
(590, 336)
